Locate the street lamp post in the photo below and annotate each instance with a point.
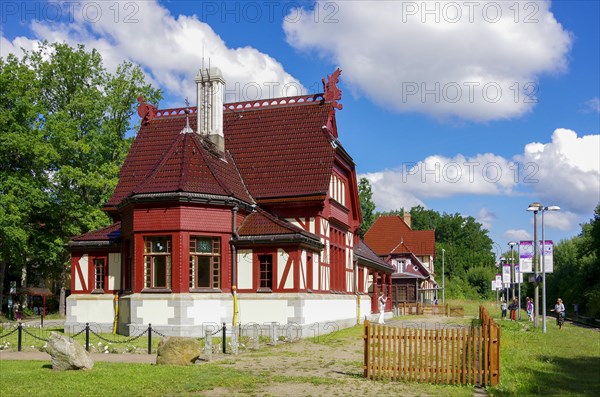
(504, 289)
(535, 207)
(443, 279)
(517, 276)
(544, 209)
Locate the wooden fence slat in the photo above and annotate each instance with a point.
(441, 355)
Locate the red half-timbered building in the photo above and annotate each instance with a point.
(411, 254)
(244, 212)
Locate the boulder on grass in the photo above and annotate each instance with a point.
(67, 354)
(176, 350)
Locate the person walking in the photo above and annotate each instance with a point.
(503, 307)
(513, 310)
(559, 308)
(19, 312)
(382, 301)
(529, 309)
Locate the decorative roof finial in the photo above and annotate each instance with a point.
(187, 129)
(145, 110)
(331, 92)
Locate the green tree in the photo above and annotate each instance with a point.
(367, 206)
(576, 276)
(65, 123)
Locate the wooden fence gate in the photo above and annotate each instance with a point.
(445, 355)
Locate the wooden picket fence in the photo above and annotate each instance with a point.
(444, 355)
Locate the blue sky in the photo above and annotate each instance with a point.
(475, 107)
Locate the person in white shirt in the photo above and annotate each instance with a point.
(559, 308)
(382, 301)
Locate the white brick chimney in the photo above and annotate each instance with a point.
(407, 219)
(210, 85)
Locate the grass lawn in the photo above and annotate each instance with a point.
(559, 363)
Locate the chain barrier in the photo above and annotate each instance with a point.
(115, 341)
(9, 333)
(79, 333)
(157, 333)
(217, 331)
(33, 336)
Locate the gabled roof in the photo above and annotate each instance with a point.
(190, 166)
(282, 151)
(275, 149)
(367, 257)
(391, 235)
(106, 236)
(262, 227)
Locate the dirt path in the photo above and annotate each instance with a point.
(333, 368)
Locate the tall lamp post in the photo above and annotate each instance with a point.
(535, 207)
(517, 276)
(504, 289)
(443, 279)
(544, 209)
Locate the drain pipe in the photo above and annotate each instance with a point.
(234, 236)
(356, 291)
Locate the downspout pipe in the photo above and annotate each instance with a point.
(356, 290)
(234, 237)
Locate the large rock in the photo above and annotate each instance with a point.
(67, 354)
(176, 350)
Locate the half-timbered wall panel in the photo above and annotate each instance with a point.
(307, 223)
(324, 282)
(285, 273)
(114, 271)
(245, 270)
(82, 273)
(302, 270)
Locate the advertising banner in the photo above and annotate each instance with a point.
(506, 274)
(518, 274)
(548, 254)
(526, 256)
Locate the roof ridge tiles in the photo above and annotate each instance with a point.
(248, 105)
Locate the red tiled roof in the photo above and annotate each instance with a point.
(390, 234)
(261, 223)
(108, 233)
(189, 166)
(279, 151)
(364, 252)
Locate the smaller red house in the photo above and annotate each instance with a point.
(410, 252)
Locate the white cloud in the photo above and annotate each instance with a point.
(567, 170)
(169, 48)
(439, 177)
(561, 220)
(592, 106)
(517, 235)
(486, 218)
(472, 60)
(563, 172)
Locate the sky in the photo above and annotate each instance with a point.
(471, 107)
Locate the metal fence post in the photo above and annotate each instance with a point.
(224, 338)
(87, 337)
(150, 338)
(20, 336)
